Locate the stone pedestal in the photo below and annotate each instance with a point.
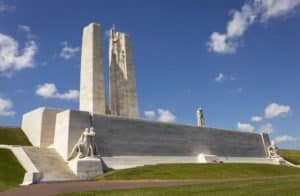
(86, 168)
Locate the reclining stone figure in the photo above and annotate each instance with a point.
(86, 146)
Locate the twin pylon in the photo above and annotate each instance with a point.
(122, 83)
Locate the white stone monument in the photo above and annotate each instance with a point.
(84, 159)
(92, 87)
(125, 141)
(273, 154)
(200, 117)
(123, 95)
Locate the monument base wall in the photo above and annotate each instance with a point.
(68, 129)
(39, 125)
(124, 162)
(116, 136)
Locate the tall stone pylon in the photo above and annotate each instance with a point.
(92, 87)
(123, 94)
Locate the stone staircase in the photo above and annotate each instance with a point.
(51, 166)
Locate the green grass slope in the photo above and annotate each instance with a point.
(11, 172)
(274, 187)
(200, 171)
(13, 136)
(292, 156)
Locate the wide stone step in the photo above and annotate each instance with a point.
(52, 167)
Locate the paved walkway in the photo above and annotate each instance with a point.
(49, 189)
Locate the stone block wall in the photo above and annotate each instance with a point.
(117, 136)
(68, 128)
(39, 125)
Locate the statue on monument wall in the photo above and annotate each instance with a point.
(200, 117)
(86, 146)
(272, 150)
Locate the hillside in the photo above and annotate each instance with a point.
(292, 156)
(11, 172)
(13, 136)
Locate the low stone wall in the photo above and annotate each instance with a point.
(118, 136)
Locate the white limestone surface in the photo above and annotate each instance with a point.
(123, 93)
(124, 162)
(86, 168)
(38, 125)
(68, 129)
(207, 158)
(92, 88)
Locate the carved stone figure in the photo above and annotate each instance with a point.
(122, 82)
(86, 146)
(272, 150)
(200, 117)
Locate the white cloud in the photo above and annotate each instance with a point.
(245, 127)
(6, 8)
(275, 8)
(150, 114)
(162, 115)
(251, 11)
(6, 107)
(12, 58)
(267, 128)
(24, 28)
(220, 44)
(285, 138)
(240, 21)
(70, 94)
(256, 118)
(27, 30)
(165, 116)
(220, 77)
(49, 90)
(68, 51)
(274, 110)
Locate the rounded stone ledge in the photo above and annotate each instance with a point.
(9, 147)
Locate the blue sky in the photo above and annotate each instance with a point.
(239, 60)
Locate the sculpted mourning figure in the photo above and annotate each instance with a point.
(86, 146)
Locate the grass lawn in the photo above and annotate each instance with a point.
(11, 172)
(200, 171)
(13, 136)
(292, 156)
(275, 187)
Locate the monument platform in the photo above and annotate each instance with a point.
(126, 142)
